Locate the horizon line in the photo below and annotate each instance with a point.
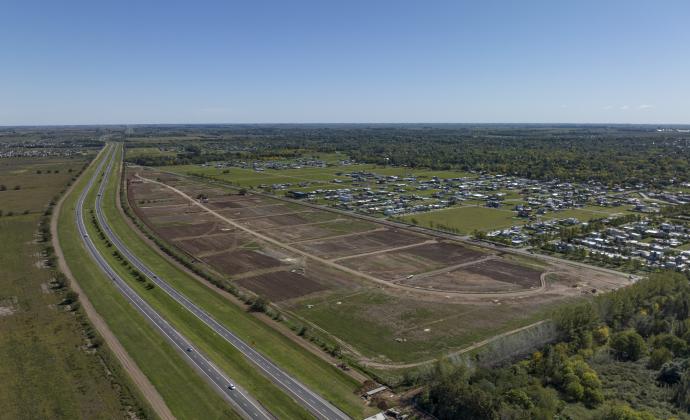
(38, 125)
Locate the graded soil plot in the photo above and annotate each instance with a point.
(360, 244)
(281, 285)
(236, 201)
(165, 210)
(259, 211)
(283, 220)
(233, 201)
(318, 230)
(447, 253)
(183, 231)
(181, 218)
(241, 261)
(195, 191)
(212, 243)
(489, 276)
(507, 272)
(398, 264)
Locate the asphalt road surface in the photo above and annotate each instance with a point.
(312, 402)
(238, 398)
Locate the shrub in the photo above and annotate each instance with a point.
(259, 304)
(628, 345)
(658, 357)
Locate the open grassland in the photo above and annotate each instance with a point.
(136, 152)
(28, 184)
(466, 219)
(323, 378)
(388, 328)
(47, 366)
(185, 393)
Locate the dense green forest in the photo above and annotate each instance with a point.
(624, 355)
(610, 154)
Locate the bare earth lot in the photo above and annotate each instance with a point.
(386, 294)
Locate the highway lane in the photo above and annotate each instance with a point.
(317, 405)
(237, 397)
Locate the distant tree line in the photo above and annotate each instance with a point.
(613, 155)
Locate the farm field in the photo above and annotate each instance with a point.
(47, 367)
(413, 295)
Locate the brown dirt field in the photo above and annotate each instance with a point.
(487, 276)
(172, 232)
(318, 230)
(231, 200)
(264, 210)
(240, 261)
(446, 253)
(268, 222)
(358, 244)
(225, 241)
(281, 286)
(163, 210)
(507, 272)
(392, 265)
(180, 219)
(225, 204)
(461, 281)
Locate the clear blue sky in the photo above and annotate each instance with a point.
(64, 62)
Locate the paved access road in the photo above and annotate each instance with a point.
(238, 398)
(311, 401)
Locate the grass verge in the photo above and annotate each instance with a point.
(185, 393)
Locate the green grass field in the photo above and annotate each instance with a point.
(46, 369)
(147, 151)
(587, 213)
(323, 378)
(466, 219)
(186, 394)
(35, 190)
(374, 322)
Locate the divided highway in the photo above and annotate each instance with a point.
(314, 403)
(238, 398)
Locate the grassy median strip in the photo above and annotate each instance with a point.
(222, 353)
(184, 391)
(320, 376)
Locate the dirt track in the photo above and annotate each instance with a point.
(129, 365)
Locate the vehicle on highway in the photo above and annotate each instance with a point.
(231, 387)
